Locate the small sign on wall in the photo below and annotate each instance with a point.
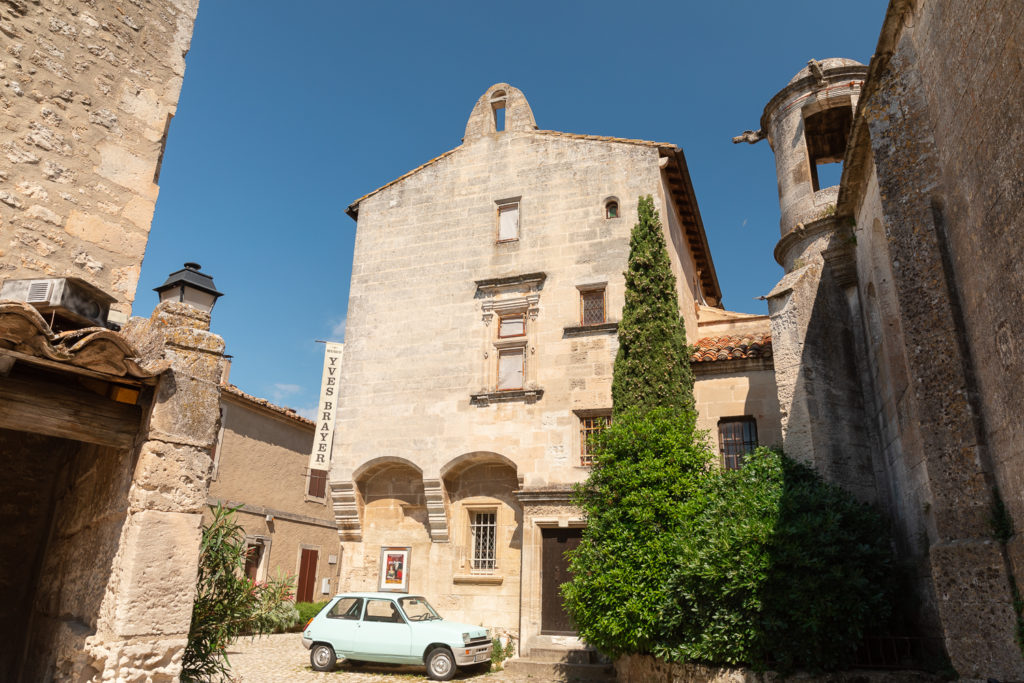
(325, 586)
(332, 559)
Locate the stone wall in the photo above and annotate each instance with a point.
(651, 670)
(87, 92)
(940, 108)
(261, 463)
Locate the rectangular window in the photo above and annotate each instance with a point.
(511, 363)
(512, 325)
(508, 222)
(253, 555)
(592, 309)
(483, 531)
(317, 483)
(737, 436)
(589, 426)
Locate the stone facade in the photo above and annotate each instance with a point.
(900, 306)
(87, 92)
(260, 465)
(107, 442)
(107, 435)
(511, 245)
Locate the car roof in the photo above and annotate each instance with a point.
(383, 596)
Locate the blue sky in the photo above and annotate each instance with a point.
(290, 111)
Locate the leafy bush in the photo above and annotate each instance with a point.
(776, 569)
(284, 617)
(636, 502)
(227, 604)
(308, 610)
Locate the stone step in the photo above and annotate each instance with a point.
(561, 672)
(572, 656)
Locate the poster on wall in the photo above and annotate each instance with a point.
(394, 569)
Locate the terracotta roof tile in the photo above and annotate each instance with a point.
(732, 347)
(288, 412)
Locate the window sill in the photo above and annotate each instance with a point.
(488, 397)
(585, 330)
(479, 579)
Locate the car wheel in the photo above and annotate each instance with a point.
(440, 664)
(322, 657)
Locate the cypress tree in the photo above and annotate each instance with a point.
(652, 367)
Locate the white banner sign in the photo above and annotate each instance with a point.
(320, 458)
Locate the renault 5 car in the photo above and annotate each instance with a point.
(393, 629)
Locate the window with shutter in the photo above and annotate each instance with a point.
(510, 369)
(508, 222)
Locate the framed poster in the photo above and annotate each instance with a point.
(394, 569)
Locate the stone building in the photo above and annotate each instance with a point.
(896, 326)
(105, 436)
(486, 289)
(259, 467)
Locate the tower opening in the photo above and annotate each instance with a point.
(826, 133)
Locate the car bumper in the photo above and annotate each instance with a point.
(473, 654)
(307, 642)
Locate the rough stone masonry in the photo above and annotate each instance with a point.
(87, 92)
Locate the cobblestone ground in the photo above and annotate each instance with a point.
(281, 659)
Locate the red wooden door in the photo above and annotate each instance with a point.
(307, 575)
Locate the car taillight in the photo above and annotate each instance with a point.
(308, 623)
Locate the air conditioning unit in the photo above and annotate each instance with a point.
(66, 302)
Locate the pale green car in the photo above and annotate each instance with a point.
(393, 629)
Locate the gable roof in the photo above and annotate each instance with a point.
(680, 187)
(732, 347)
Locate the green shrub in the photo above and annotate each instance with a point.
(284, 617)
(775, 569)
(636, 501)
(308, 610)
(227, 604)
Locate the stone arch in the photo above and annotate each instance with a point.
(393, 502)
(518, 115)
(485, 483)
(369, 466)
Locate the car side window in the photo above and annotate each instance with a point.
(346, 608)
(382, 610)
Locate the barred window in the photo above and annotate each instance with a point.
(589, 426)
(592, 309)
(317, 483)
(483, 529)
(737, 436)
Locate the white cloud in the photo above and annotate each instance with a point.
(307, 411)
(287, 388)
(744, 223)
(338, 328)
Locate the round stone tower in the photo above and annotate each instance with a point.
(807, 124)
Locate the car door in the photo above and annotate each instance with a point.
(342, 622)
(383, 634)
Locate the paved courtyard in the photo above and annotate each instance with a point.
(281, 658)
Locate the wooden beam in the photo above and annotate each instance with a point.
(41, 405)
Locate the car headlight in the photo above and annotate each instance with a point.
(465, 639)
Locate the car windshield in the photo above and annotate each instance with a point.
(418, 609)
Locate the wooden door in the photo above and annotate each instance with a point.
(307, 575)
(555, 572)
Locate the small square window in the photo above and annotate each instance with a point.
(590, 425)
(611, 209)
(483, 532)
(737, 436)
(592, 308)
(511, 363)
(512, 325)
(508, 222)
